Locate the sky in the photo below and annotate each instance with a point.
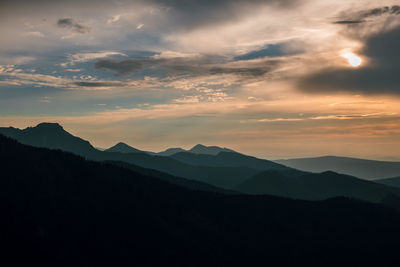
(273, 78)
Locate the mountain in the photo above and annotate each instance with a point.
(123, 148)
(197, 149)
(50, 135)
(316, 186)
(208, 150)
(228, 159)
(394, 181)
(59, 209)
(362, 168)
(170, 151)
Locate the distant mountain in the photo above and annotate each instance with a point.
(362, 168)
(123, 148)
(228, 159)
(197, 149)
(316, 186)
(394, 181)
(171, 151)
(224, 177)
(208, 150)
(61, 210)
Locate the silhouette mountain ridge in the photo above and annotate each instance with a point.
(123, 148)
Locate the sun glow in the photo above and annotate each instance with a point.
(352, 59)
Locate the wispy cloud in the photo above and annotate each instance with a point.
(113, 19)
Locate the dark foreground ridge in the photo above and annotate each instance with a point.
(61, 210)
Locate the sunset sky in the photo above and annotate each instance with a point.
(273, 78)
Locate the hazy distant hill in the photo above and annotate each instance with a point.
(316, 186)
(394, 181)
(197, 149)
(208, 150)
(123, 148)
(366, 169)
(170, 151)
(61, 210)
(227, 159)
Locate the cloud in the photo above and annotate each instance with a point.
(379, 75)
(88, 56)
(243, 71)
(380, 11)
(188, 64)
(349, 21)
(84, 57)
(124, 67)
(113, 19)
(33, 34)
(362, 16)
(195, 13)
(73, 25)
(15, 76)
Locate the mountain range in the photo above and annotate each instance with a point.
(53, 136)
(197, 149)
(123, 148)
(224, 172)
(59, 209)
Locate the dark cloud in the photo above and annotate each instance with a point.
(381, 75)
(380, 11)
(72, 25)
(124, 67)
(362, 16)
(175, 66)
(97, 84)
(349, 21)
(244, 71)
(135, 65)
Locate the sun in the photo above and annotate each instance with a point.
(352, 59)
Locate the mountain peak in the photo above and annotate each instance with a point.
(50, 135)
(209, 150)
(49, 126)
(123, 148)
(198, 146)
(122, 144)
(46, 129)
(171, 151)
